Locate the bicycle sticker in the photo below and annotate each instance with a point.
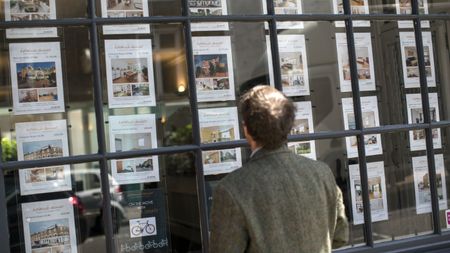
(142, 227)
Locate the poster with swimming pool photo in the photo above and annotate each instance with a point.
(202, 8)
(410, 62)
(220, 125)
(303, 124)
(377, 192)
(36, 78)
(364, 62)
(128, 133)
(357, 7)
(404, 7)
(49, 226)
(415, 116)
(213, 63)
(129, 73)
(422, 183)
(42, 140)
(125, 9)
(370, 114)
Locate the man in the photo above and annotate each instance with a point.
(278, 201)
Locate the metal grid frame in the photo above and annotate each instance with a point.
(437, 240)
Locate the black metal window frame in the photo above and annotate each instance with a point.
(437, 240)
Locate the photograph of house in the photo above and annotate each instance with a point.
(211, 157)
(28, 96)
(122, 90)
(29, 6)
(301, 126)
(50, 234)
(36, 75)
(48, 94)
(213, 65)
(124, 5)
(217, 133)
(35, 150)
(228, 155)
(375, 193)
(129, 70)
(133, 141)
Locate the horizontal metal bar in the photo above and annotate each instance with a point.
(45, 23)
(52, 161)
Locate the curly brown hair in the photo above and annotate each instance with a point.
(268, 115)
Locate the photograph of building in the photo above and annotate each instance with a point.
(50, 234)
(35, 150)
(217, 133)
(132, 141)
(36, 75)
(129, 70)
(208, 66)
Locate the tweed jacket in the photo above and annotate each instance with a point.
(278, 202)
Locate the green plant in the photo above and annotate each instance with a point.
(9, 150)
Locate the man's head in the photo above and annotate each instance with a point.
(268, 116)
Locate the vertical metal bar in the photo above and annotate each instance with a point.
(200, 178)
(427, 118)
(359, 124)
(98, 103)
(274, 46)
(4, 240)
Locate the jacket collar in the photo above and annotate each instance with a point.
(264, 152)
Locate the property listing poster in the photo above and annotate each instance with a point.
(30, 10)
(213, 62)
(364, 62)
(208, 8)
(125, 9)
(219, 125)
(129, 73)
(36, 77)
(49, 226)
(41, 140)
(286, 7)
(422, 183)
(133, 132)
(377, 192)
(146, 227)
(404, 7)
(415, 116)
(410, 61)
(372, 142)
(357, 7)
(293, 64)
(303, 124)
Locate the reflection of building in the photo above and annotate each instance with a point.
(44, 152)
(52, 236)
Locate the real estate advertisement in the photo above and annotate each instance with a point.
(404, 7)
(286, 7)
(129, 73)
(370, 117)
(357, 7)
(36, 77)
(220, 125)
(20, 10)
(422, 183)
(293, 64)
(42, 140)
(303, 124)
(208, 8)
(146, 227)
(377, 192)
(125, 9)
(133, 132)
(49, 226)
(214, 77)
(415, 116)
(364, 62)
(410, 62)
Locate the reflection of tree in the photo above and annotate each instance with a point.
(181, 163)
(9, 150)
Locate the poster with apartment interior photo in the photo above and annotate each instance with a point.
(370, 117)
(125, 9)
(303, 124)
(415, 116)
(220, 125)
(41, 140)
(357, 7)
(129, 133)
(377, 192)
(213, 63)
(404, 7)
(25, 10)
(422, 183)
(208, 8)
(364, 62)
(36, 78)
(410, 62)
(293, 64)
(49, 226)
(285, 7)
(129, 73)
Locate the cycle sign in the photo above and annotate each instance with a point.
(142, 227)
